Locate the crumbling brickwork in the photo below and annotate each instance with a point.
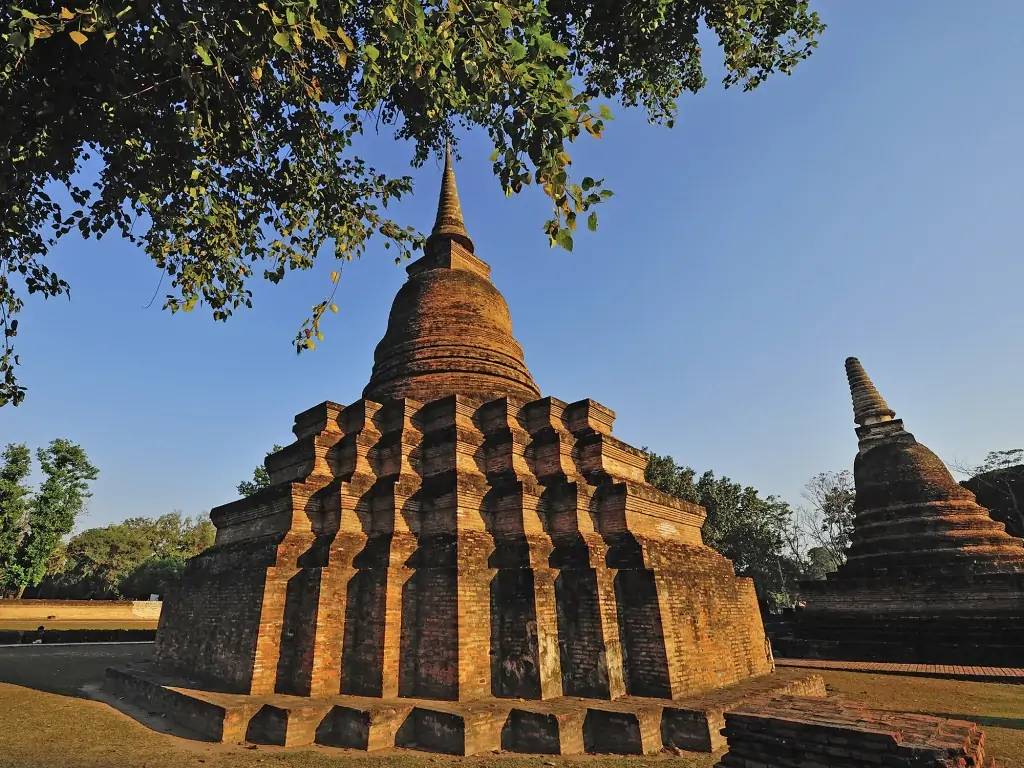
(795, 732)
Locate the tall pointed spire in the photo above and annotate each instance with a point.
(449, 223)
(869, 407)
(449, 331)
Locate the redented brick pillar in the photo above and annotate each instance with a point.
(549, 664)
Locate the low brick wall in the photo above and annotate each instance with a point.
(798, 732)
(79, 610)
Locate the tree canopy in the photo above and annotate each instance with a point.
(260, 478)
(828, 523)
(751, 530)
(218, 136)
(32, 525)
(998, 484)
(135, 558)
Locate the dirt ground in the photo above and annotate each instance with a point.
(22, 624)
(46, 721)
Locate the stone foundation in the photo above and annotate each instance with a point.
(796, 732)
(979, 640)
(558, 726)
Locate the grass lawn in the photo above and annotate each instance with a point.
(45, 722)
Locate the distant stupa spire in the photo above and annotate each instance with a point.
(869, 407)
(449, 223)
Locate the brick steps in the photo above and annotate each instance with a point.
(563, 725)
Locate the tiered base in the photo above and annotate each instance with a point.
(565, 725)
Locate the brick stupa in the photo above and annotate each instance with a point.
(456, 563)
(929, 576)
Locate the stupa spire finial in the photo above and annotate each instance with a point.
(869, 407)
(449, 224)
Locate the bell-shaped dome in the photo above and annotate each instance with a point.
(449, 331)
(910, 512)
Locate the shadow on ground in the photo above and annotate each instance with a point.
(65, 669)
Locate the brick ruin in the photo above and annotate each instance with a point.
(794, 732)
(457, 563)
(929, 577)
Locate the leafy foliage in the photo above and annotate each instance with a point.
(749, 529)
(819, 563)
(998, 483)
(15, 497)
(260, 478)
(136, 558)
(218, 135)
(49, 515)
(828, 523)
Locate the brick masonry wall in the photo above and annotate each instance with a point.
(458, 550)
(795, 732)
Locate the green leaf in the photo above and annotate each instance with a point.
(592, 221)
(371, 52)
(516, 50)
(605, 112)
(564, 239)
(207, 60)
(504, 15)
(284, 40)
(345, 39)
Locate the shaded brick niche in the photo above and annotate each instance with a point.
(474, 553)
(797, 732)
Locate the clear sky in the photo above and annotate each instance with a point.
(869, 205)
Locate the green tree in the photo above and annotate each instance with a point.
(97, 560)
(173, 534)
(154, 576)
(828, 522)
(15, 497)
(127, 559)
(53, 510)
(749, 529)
(260, 477)
(998, 483)
(219, 136)
(819, 563)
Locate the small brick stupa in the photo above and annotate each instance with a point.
(456, 563)
(929, 576)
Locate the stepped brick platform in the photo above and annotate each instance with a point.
(930, 577)
(564, 725)
(796, 732)
(455, 562)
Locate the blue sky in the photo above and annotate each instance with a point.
(868, 205)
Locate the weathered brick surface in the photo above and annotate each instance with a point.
(795, 732)
(929, 576)
(421, 562)
(454, 537)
